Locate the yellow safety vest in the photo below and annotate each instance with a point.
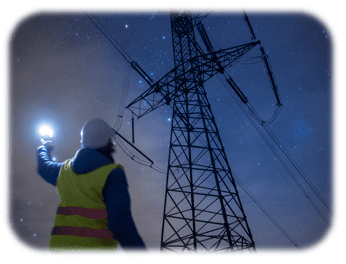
(81, 220)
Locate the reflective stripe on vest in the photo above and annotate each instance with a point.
(81, 219)
(82, 232)
(85, 212)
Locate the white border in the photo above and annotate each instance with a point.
(331, 16)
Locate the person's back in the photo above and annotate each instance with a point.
(94, 209)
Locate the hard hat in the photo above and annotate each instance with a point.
(95, 133)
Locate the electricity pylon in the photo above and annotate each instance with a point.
(202, 208)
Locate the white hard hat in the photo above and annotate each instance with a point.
(95, 133)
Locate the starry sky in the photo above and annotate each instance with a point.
(63, 72)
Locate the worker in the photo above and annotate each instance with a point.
(94, 209)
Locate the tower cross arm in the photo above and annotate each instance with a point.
(163, 91)
(217, 61)
(158, 94)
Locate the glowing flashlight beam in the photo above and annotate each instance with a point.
(46, 131)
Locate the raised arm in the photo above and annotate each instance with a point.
(48, 169)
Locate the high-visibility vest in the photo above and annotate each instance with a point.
(81, 220)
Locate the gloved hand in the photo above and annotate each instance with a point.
(48, 143)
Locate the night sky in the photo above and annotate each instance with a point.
(63, 72)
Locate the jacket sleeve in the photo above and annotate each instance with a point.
(49, 170)
(117, 199)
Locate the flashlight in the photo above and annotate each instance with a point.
(46, 132)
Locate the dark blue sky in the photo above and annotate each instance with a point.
(64, 72)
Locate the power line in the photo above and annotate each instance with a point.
(221, 80)
(306, 141)
(297, 168)
(122, 51)
(277, 155)
(138, 160)
(123, 98)
(115, 44)
(264, 210)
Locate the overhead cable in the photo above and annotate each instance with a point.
(276, 154)
(264, 210)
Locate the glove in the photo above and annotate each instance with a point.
(48, 143)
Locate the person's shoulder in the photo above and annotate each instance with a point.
(119, 166)
(118, 171)
(116, 177)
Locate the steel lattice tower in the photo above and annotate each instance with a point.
(202, 208)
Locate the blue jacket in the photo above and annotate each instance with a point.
(115, 191)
